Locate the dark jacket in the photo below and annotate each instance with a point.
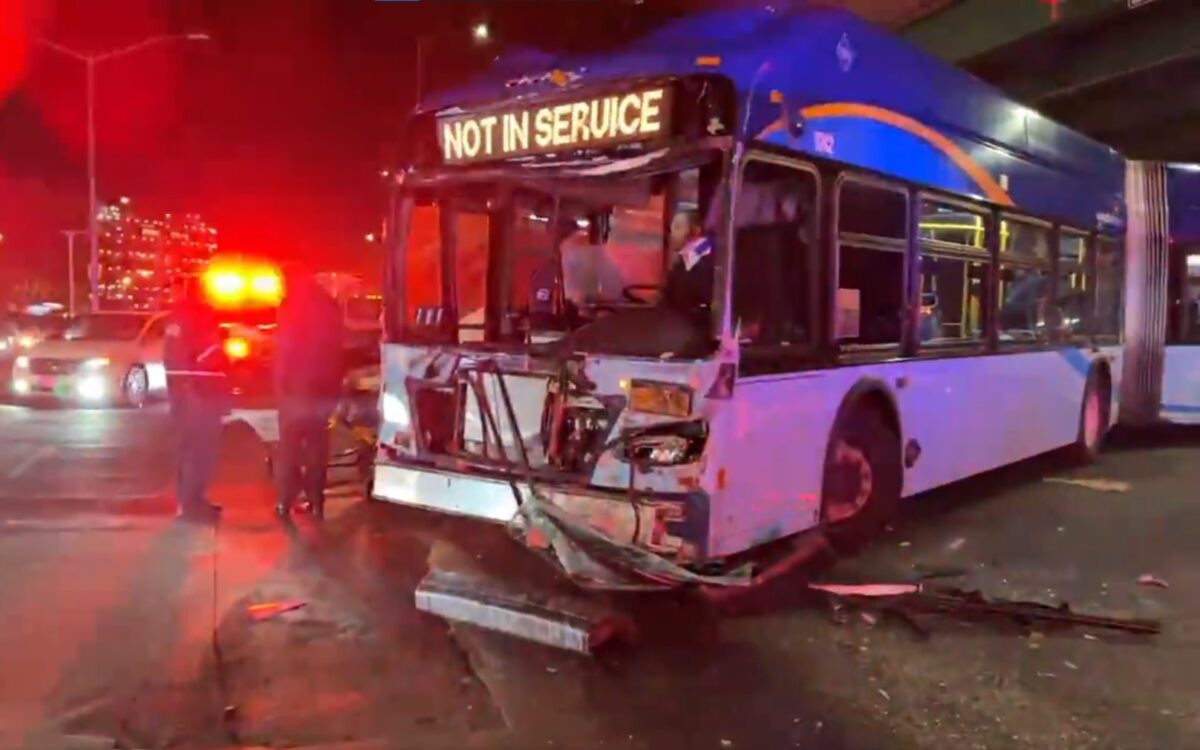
(308, 345)
(194, 359)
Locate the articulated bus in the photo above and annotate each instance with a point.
(756, 274)
(1180, 397)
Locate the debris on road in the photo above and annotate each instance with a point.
(866, 589)
(1100, 485)
(910, 602)
(956, 544)
(925, 571)
(574, 624)
(269, 610)
(1148, 579)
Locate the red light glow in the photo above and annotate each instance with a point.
(237, 347)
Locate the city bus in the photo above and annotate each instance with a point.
(756, 274)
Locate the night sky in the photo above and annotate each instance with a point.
(275, 131)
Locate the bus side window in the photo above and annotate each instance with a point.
(1191, 297)
(872, 241)
(1075, 284)
(1109, 281)
(954, 266)
(1025, 306)
(773, 255)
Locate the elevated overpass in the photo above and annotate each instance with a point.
(1126, 72)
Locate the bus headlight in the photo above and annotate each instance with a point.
(95, 363)
(668, 444)
(21, 362)
(394, 411)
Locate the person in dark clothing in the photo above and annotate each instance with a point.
(308, 384)
(198, 393)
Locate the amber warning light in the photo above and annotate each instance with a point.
(608, 120)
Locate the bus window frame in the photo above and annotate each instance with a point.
(770, 359)
(858, 353)
(938, 248)
(1118, 242)
(1049, 265)
(1088, 267)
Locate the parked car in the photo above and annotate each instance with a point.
(102, 358)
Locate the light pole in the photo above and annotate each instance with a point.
(90, 60)
(70, 235)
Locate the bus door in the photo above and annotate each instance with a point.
(774, 448)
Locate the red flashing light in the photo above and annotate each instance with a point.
(237, 347)
(234, 284)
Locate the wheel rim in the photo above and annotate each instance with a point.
(135, 387)
(854, 482)
(1092, 418)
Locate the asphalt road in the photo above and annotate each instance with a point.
(121, 622)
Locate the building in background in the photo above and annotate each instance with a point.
(141, 255)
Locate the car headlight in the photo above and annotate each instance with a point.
(26, 342)
(91, 389)
(95, 363)
(394, 410)
(22, 361)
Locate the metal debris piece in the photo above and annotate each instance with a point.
(956, 544)
(1100, 485)
(1147, 579)
(269, 610)
(572, 625)
(974, 604)
(906, 600)
(866, 589)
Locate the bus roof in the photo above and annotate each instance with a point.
(868, 99)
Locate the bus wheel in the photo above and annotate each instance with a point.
(1093, 419)
(863, 477)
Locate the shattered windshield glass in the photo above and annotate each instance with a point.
(578, 263)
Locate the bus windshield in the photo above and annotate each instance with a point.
(620, 265)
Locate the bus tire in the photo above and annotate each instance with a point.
(1093, 419)
(135, 388)
(863, 477)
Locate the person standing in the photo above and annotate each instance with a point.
(198, 393)
(308, 384)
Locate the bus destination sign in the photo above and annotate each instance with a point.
(607, 120)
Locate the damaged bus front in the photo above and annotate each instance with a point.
(555, 314)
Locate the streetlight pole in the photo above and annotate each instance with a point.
(93, 209)
(70, 235)
(90, 61)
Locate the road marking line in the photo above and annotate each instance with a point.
(45, 451)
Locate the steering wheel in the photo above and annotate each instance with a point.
(628, 292)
